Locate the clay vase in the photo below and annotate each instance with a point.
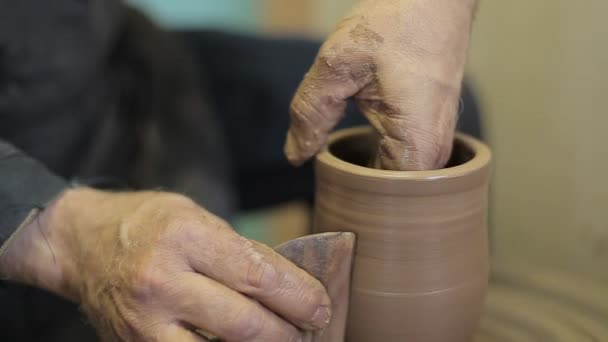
(420, 269)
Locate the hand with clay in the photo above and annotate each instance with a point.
(150, 266)
(403, 63)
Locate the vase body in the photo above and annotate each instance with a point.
(420, 269)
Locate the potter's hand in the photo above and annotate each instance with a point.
(403, 62)
(156, 267)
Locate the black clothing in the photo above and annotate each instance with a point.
(93, 89)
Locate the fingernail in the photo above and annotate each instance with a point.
(321, 317)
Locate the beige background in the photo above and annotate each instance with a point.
(309, 17)
(541, 68)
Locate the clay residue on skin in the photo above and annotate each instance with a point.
(403, 63)
(362, 32)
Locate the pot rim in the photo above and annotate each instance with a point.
(482, 157)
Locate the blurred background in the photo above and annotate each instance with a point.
(539, 69)
(536, 80)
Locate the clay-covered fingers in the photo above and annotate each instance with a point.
(207, 305)
(316, 108)
(258, 272)
(407, 58)
(415, 117)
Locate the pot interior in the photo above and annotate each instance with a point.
(359, 149)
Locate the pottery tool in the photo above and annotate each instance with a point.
(327, 257)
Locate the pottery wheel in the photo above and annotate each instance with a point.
(541, 305)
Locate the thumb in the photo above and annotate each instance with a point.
(316, 108)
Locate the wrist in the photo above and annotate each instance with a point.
(52, 251)
(30, 258)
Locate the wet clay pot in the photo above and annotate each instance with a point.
(420, 269)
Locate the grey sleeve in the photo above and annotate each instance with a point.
(26, 186)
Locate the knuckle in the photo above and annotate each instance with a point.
(161, 201)
(262, 276)
(178, 225)
(316, 293)
(175, 233)
(328, 58)
(192, 225)
(339, 62)
(147, 282)
(313, 109)
(311, 295)
(299, 113)
(168, 212)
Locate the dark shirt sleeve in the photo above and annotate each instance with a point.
(26, 186)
